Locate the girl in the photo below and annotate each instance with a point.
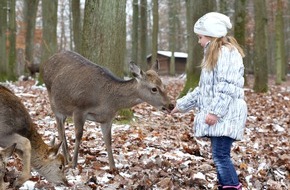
(219, 97)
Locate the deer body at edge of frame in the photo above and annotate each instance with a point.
(16, 126)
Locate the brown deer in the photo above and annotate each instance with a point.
(77, 87)
(4, 155)
(16, 126)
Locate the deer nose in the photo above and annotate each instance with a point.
(171, 106)
(65, 182)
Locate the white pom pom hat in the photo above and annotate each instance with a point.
(213, 24)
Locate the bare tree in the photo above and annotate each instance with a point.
(287, 34)
(30, 11)
(89, 37)
(77, 26)
(49, 26)
(143, 35)
(62, 38)
(260, 47)
(240, 24)
(155, 31)
(194, 10)
(105, 40)
(3, 38)
(280, 45)
(135, 26)
(172, 14)
(12, 41)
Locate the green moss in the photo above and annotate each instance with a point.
(124, 116)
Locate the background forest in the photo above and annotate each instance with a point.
(114, 32)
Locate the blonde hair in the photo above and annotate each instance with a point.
(211, 55)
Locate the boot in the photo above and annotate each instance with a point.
(238, 187)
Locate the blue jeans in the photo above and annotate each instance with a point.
(221, 153)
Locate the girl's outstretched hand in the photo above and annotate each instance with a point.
(175, 110)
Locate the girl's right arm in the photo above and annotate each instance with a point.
(188, 102)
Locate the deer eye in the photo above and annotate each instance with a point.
(154, 90)
(60, 167)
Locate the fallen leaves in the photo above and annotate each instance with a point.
(159, 151)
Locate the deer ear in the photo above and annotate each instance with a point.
(135, 70)
(54, 150)
(8, 151)
(155, 66)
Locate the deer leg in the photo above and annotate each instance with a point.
(60, 120)
(107, 136)
(79, 121)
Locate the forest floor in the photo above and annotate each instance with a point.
(159, 151)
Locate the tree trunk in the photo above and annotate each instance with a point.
(222, 6)
(49, 26)
(280, 45)
(143, 35)
(180, 37)
(240, 26)
(89, 37)
(77, 26)
(104, 36)
(194, 10)
(172, 34)
(135, 24)
(62, 40)
(260, 47)
(3, 38)
(12, 42)
(287, 36)
(105, 39)
(155, 31)
(30, 10)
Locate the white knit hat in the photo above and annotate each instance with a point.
(213, 24)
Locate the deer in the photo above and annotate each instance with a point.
(83, 90)
(16, 126)
(5, 153)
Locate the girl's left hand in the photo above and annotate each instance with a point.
(211, 119)
(175, 110)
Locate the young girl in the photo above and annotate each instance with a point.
(219, 97)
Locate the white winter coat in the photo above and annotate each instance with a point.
(219, 92)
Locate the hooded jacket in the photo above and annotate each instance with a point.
(219, 92)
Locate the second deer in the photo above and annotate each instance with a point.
(16, 126)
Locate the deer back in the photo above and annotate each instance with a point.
(73, 82)
(14, 118)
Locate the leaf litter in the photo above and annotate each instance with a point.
(159, 151)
